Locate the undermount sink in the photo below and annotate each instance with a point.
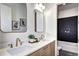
(14, 51)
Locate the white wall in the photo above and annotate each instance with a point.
(67, 11)
(51, 19)
(51, 22)
(11, 37)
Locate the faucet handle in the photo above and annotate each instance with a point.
(21, 42)
(11, 45)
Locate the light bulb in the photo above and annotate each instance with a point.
(43, 7)
(40, 5)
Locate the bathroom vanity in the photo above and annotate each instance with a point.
(48, 50)
(43, 48)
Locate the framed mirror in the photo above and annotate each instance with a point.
(39, 21)
(13, 17)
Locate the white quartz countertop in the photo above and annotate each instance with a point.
(26, 49)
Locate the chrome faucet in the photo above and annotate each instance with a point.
(18, 41)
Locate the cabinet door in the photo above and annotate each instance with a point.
(36, 53)
(46, 51)
(53, 48)
(6, 22)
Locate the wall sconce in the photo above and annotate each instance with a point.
(40, 7)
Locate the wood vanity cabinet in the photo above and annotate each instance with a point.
(48, 50)
(53, 48)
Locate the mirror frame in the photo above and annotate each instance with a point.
(37, 24)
